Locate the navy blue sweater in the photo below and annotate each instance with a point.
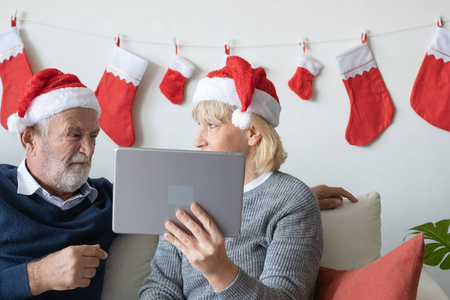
(31, 228)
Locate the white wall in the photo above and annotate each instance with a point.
(408, 164)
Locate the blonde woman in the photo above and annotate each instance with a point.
(278, 252)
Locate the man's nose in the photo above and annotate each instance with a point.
(87, 146)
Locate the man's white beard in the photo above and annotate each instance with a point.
(66, 178)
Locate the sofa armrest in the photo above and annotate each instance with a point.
(352, 233)
(429, 288)
(127, 265)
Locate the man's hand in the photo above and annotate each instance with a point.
(331, 197)
(67, 269)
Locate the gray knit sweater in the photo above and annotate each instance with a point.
(278, 251)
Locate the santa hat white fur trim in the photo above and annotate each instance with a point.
(182, 65)
(224, 90)
(53, 102)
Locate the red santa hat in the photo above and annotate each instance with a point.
(49, 92)
(241, 85)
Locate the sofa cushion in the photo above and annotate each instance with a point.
(391, 277)
(352, 233)
(127, 265)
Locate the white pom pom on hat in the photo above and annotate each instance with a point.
(49, 92)
(239, 84)
(241, 120)
(16, 124)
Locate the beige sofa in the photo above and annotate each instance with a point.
(352, 239)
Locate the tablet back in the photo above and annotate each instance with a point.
(150, 185)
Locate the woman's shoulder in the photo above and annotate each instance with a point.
(284, 195)
(282, 180)
(282, 187)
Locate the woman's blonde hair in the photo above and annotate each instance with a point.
(270, 154)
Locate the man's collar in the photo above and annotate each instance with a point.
(26, 184)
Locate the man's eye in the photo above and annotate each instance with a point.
(74, 135)
(212, 126)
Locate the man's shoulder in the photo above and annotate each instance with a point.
(8, 170)
(8, 180)
(5, 167)
(102, 185)
(99, 183)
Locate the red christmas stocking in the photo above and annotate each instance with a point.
(430, 96)
(301, 82)
(14, 71)
(172, 85)
(115, 94)
(371, 107)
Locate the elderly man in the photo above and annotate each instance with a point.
(55, 221)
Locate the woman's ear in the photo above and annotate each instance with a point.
(28, 140)
(254, 136)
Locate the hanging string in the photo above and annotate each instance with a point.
(220, 46)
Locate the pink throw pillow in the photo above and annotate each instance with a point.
(391, 277)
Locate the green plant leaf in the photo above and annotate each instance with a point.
(445, 265)
(435, 252)
(433, 258)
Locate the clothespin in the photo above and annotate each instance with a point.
(364, 37)
(14, 19)
(117, 40)
(175, 44)
(303, 45)
(439, 22)
(228, 48)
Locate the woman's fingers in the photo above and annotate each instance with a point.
(178, 237)
(206, 231)
(207, 222)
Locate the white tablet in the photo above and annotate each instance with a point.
(150, 185)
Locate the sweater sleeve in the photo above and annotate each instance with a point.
(14, 283)
(165, 280)
(293, 257)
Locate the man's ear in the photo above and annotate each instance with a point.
(28, 140)
(254, 136)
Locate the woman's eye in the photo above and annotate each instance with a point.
(212, 126)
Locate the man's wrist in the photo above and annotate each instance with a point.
(35, 283)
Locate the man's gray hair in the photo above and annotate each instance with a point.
(42, 127)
